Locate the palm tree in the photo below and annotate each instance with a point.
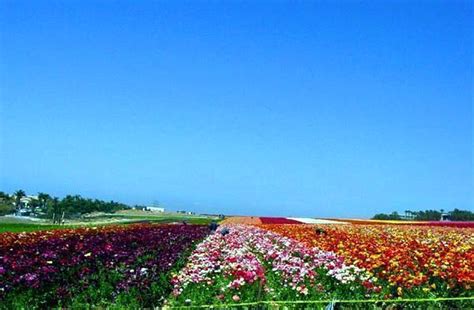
(18, 195)
(43, 198)
(5, 197)
(56, 210)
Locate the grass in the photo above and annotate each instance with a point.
(25, 227)
(9, 225)
(190, 220)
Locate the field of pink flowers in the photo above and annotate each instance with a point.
(249, 263)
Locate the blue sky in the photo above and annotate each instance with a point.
(268, 108)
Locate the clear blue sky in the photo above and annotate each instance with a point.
(268, 108)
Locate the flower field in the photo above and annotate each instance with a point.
(250, 264)
(278, 220)
(242, 220)
(408, 260)
(127, 264)
(147, 265)
(458, 224)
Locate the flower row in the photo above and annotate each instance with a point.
(68, 261)
(241, 262)
(406, 257)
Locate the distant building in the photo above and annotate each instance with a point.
(25, 201)
(156, 209)
(445, 217)
(186, 212)
(23, 212)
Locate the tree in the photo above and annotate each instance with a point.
(5, 197)
(43, 198)
(395, 216)
(18, 195)
(6, 208)
(71, 205)
(380, 216)
(461, 215)
(34, 203)
(428, 215)
(57, 210)
(392, 216)
(6, 204)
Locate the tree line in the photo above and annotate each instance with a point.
(427, 215)
(47, 206)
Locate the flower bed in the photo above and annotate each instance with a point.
(458, 224)
(278, 220)
(52, 268)
(410, 260)
(147, 265)
(242, 220)
(249, 264)
(449, 224)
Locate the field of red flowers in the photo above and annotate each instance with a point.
(147, 265)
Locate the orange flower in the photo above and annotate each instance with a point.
(408, 256)
(242, 220)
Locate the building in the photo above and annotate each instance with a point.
(445, 217)
(156, 209)
(25, 201)
(186, 212)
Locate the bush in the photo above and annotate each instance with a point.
(6, 209)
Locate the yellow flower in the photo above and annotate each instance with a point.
(399, 291)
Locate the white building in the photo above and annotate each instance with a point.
(156, 209)
(25, 201)
(445, 217)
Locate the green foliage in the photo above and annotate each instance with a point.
(392, 216)
(4, 197)
(71, 205)
(20, 227)
(77, 205)
(18, 195)
(461, 215)
(34, 203)
(428, 215)
(6, 208)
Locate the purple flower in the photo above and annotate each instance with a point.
(30, 277)
(67, 258)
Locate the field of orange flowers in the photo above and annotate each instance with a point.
(242, 220)
(409, 261)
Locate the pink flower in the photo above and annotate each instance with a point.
(235, 298)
